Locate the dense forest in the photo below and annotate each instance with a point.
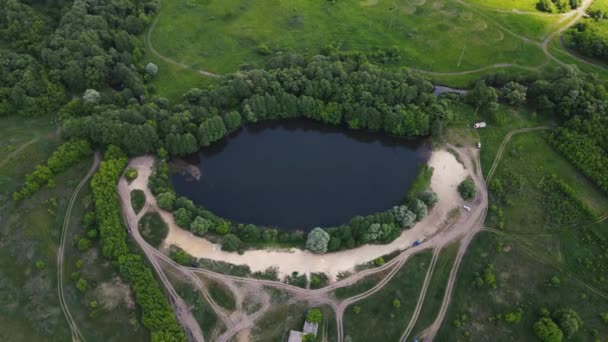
(359, 96)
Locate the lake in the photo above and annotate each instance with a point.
(301, 174)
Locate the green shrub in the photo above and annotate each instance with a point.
(467, 189)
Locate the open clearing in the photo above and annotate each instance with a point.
(220, 36)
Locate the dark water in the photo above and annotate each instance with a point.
(301, 174)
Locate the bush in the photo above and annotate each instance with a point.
(569, 321)
(547, 331)
(314, 316)
(467, 189)
(130, 174)
(82, 285)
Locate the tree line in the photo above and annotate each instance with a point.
(359, 96)
(65, 156)
(156, 313)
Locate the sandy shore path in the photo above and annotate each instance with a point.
(448, 173)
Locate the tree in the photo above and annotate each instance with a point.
(317, 241)
(467, 189)
(152, 69)
(232, 121)
(514, 317)
(404, 217)
(200, 226)
(482, 96)
(183, 217)
(231, 243)
(514, 93)
(396, 303)
(91, 96)
(419, 208)
(546, 6)
(166, 200)
(270, 235)
(429, 198)
(547, 331)
(357, 309)
(314, 316)
(569, 321)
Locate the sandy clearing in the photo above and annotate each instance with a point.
(448, 173)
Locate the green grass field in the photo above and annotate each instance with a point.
(522, 281)
(220, 36)
(379, 319)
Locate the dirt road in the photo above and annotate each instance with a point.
(458, 229)
(76, 334)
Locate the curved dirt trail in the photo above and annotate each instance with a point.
(481, 201)
(421, 297)
(170, 60)
(180, 308)
(76, 334)
(504, 143)
(321, 296)
(547, 260)
(17, 151)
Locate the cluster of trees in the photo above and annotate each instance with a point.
(156, 312)
(575, 100)
(95, 45)
(66, 155)
(22, 26)
(25, 88)
(561, 203)
(557, 6)
(381, 227)
(360, 96)
(588, 39)
(554, 327)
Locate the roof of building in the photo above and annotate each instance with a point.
(311, 328)
(295, 336)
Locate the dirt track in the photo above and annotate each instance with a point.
(463, 227)
(76, 334)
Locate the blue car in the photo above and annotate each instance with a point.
(417, 243)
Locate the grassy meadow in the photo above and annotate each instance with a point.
(437, 35)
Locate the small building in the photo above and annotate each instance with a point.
(310, 328)
(479, 124)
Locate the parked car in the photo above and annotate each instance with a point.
(467, 208)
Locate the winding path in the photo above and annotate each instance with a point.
(170, 60)
(17, 151)
(544, 45)
(504, 143)
(76, 334)
(421, 297)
